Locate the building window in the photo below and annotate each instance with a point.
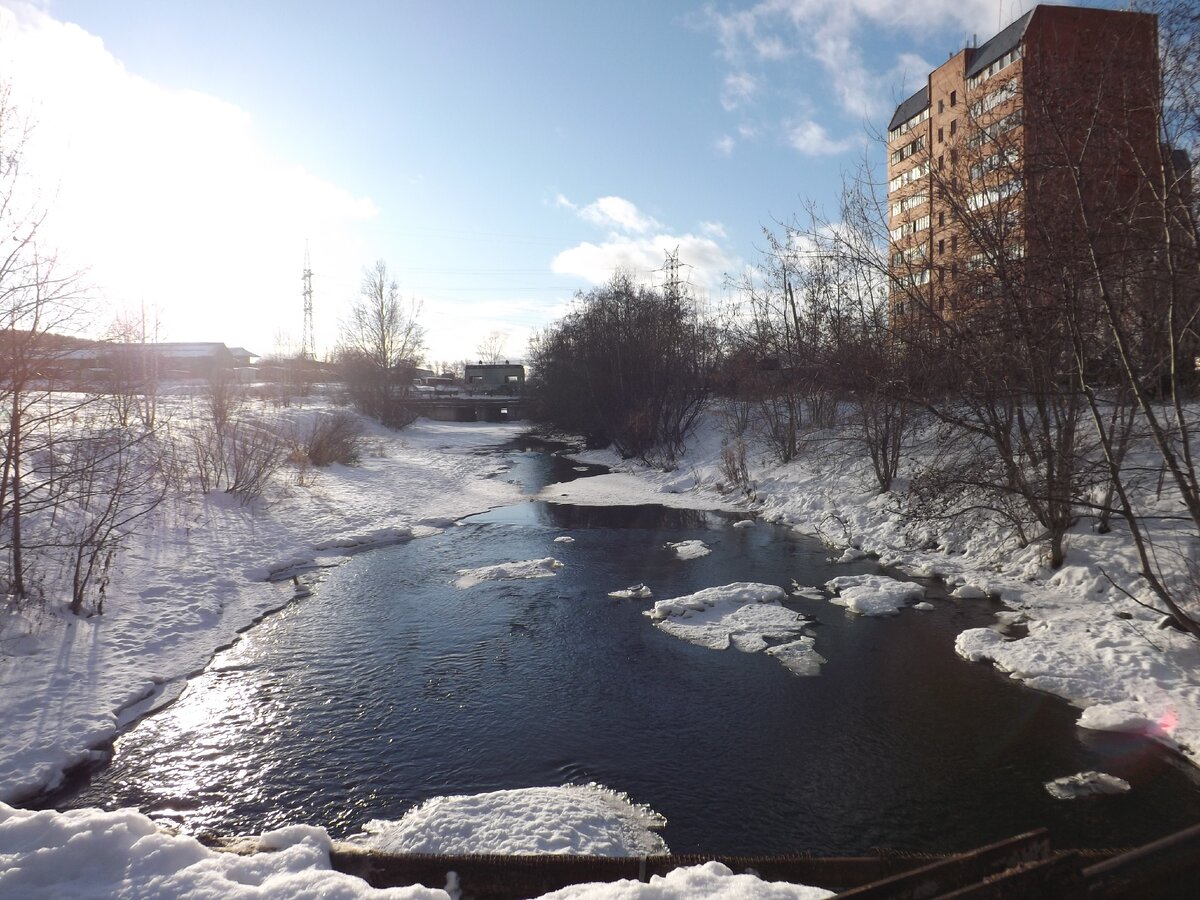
(941, 246)
(954, 243)
(939, 135)
(941, 106)
(941, 219)
(905, 127)
(953, 102)
(954, 126)
(941, 162)
(908, 150)
(941, 274)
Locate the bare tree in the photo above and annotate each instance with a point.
(381, 344)
(74, 480)
(491, 348)
(628, 365)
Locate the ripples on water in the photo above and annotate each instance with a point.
(390, 686)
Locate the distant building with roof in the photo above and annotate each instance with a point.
(494, 378)
(102, 360)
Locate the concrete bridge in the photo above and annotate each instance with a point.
(467, 408)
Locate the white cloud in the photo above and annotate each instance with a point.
(171, 197)
(724, 145)
(738, 89)
(811, 139)
(705, 261)
(829, 33)
(714, 230)
(613, 213)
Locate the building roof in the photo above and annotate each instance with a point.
(910, 107)
(982, 57)
(978, 59)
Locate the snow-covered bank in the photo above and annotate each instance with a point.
(1087, 642)
(87, 853)
(190, 583)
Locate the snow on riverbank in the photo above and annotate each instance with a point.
(1087, 642)
(87, 853)
(579, 819)
(189, 584)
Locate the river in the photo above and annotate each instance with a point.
(390, 685)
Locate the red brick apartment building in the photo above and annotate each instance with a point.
(1044, 133)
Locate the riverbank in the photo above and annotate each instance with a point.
(185, 588)
(1086, 640)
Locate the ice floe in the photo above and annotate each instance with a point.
(689, 549)
(1085, 784)
(1131, 717)
(634, 592)
(564, 539)
(529, 568)
(746, 616)
(807, 591)
(589, 820)
(873, 595)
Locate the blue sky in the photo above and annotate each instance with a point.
(498, 155)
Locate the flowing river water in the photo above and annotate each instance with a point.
(390, 685)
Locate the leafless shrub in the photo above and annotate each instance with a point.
(334, 438)
(240, 460)
(733, 464)
(253, 454)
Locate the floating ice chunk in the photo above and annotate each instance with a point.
(636, 592)
(978, 644)
(1128, 716)
(580, 469)
(969, 592)
(923, 605)
(530, 568)
(851, 554)
(807, 592)
(745, 616)
(590, 820)
(726, 596)
(1085, 784)
(379, 537)
(711, 881)
(744, 523)
(689, 549)
(564, 539)
(873, 595)
(798, 656)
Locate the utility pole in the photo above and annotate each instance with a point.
(307, 346)
(671, 283)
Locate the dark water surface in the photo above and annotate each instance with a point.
(390, 685)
